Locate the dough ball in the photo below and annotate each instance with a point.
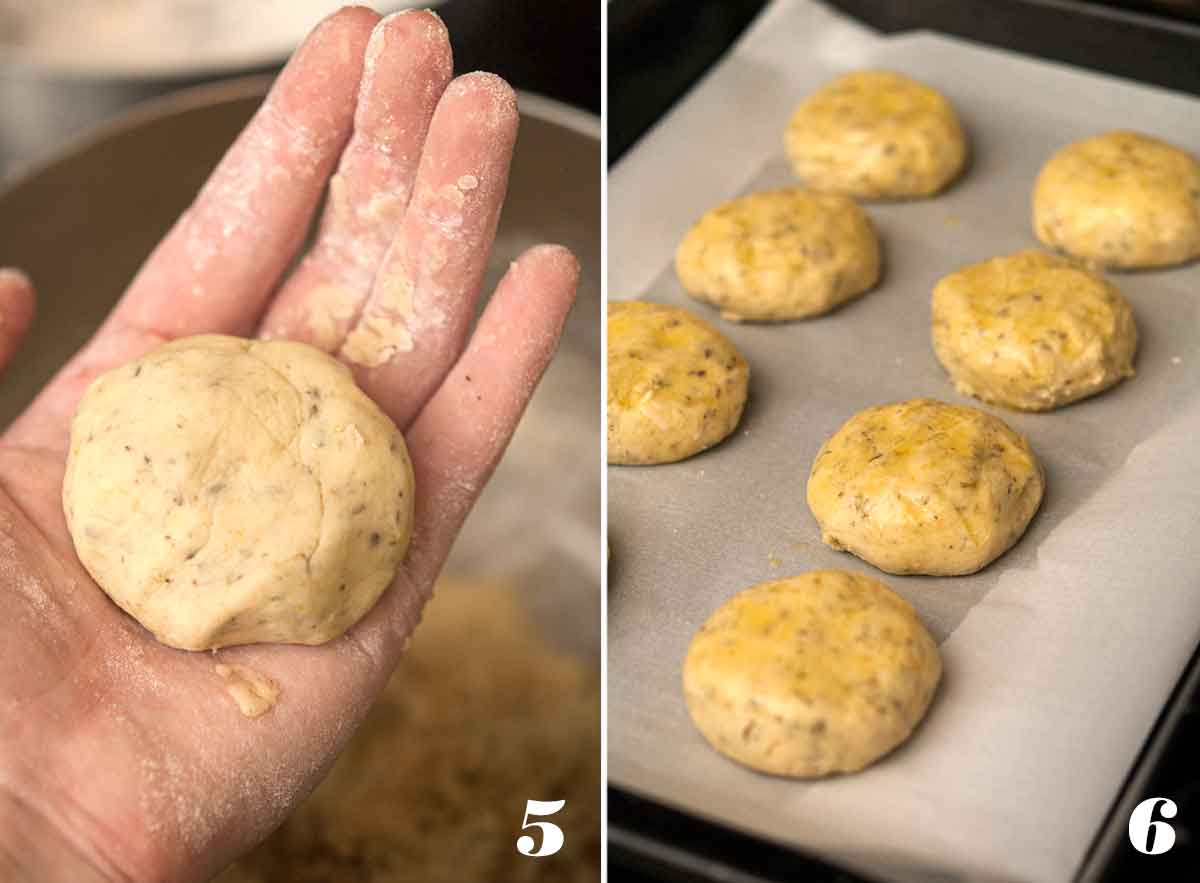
(876, 135)
(816, 674)
(924, 487)
(1032, 331)
(223, 491)
(1120, 200)
(676, 385)
(781, 254)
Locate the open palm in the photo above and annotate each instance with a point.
(122, 758)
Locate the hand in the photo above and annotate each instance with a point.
(123, 758)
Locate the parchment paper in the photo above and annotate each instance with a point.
(1059, 655)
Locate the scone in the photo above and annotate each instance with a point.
(779, 254)
(1121, 200)
(817, 674)
(922, 486)
(676, 385)
(876, 135)
(1032, 331)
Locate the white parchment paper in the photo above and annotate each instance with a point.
(1059, 656)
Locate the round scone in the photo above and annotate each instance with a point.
(1032, 331)
(923, 486)
(876, 135)
(779, 254)
(1121, 200)
(223, 491)
(676, 385)
(817, 674)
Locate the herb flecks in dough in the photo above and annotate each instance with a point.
(1122, 200)
(676, 385)
(1032, 331)
(779, 254)
(238, 533)
(923, 486)
(811, 675)
(876, 135)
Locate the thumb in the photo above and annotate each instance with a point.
(16, 311)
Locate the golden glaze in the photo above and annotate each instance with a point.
(1122, 200)
(676, 385)
(779, 254)
(876, 135)
(1032, 331)
(816, 674)
(922, 486)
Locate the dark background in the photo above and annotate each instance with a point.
(658, 48)
(547, 46)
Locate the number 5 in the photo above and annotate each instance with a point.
(552, 835)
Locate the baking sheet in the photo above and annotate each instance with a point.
(1058, 656)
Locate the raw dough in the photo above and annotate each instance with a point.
(876, 135)
(1032, 331)
(676, 385)
(223, 491)
(816, 674)
(780, 254)
(254, 692)
(924, 487)
(1120, 200)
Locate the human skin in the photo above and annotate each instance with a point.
(124, 759)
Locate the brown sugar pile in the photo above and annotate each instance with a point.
(481, 715)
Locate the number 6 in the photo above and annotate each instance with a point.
(552, 835)
(1148, 836)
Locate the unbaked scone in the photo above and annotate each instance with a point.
(923, 486)
(676, 385)
(1121, 200)
(779, 254)
(817, 674)
(1032, 331)
(223, 491)
(876, 135)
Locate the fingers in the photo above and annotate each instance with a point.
(216, 267)
(17, 304)
(408, 64)
(422, 301)
(462, 432)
